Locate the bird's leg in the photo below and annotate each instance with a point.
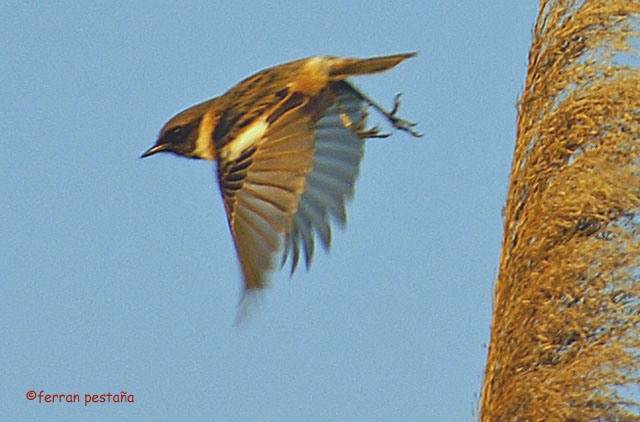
(396, 122)
(372, 132)
(358, 127)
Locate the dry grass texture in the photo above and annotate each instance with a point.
(565, 338)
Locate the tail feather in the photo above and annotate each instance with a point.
(342, 68)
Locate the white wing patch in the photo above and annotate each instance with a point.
(252, 135)
(336, 164)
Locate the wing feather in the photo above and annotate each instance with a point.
(338, 151)
(262, 189)
(286, 188)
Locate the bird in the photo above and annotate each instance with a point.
(288, 142)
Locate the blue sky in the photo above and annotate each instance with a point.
(119, 274)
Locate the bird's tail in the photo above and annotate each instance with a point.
(342, 68)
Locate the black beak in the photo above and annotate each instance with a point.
(153, 150)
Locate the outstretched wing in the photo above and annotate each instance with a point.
(261, 183)
(336, 164)
(287, 173)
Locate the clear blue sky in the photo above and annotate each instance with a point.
(119, 274)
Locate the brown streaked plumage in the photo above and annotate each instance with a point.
(288, 142)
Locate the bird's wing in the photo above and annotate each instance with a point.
(283, 180)
(336, 164)
(261, 186)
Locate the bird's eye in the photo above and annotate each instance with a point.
(176, 132)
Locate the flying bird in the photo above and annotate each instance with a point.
(288, 142)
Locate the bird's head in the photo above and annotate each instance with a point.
(187, 134)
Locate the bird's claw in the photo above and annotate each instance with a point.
(373, 132)
(397, 122)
